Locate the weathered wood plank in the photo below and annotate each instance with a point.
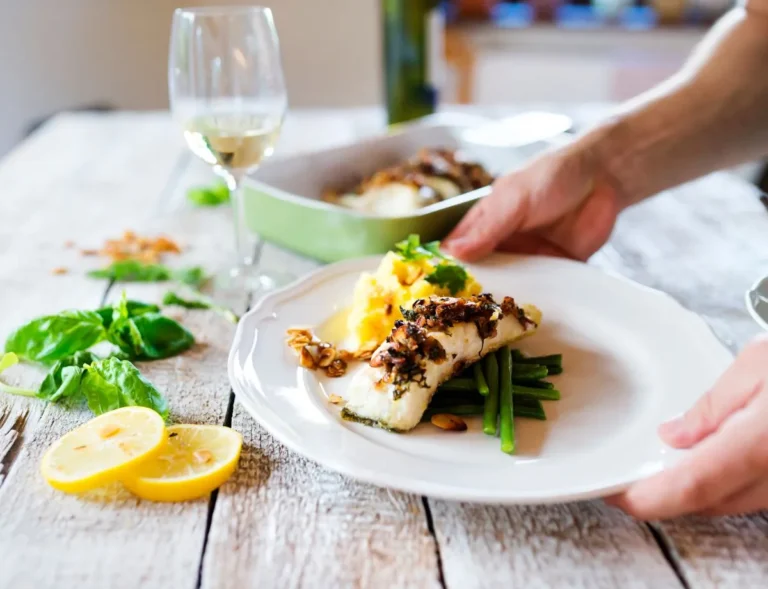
(60, 186)
(705, 244)
(52, 539)
(573, 545)
(285, 522)
(124, 165)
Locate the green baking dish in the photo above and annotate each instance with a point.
(283, 205)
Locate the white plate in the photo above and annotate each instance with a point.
(633, 358)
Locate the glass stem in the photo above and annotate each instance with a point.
(245, 241)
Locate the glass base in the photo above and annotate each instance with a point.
(249, 280)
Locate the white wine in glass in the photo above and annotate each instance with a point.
(237, 142)
(227, 91)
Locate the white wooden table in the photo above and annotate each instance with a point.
(282, 521)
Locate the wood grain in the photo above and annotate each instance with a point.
(285, 522)
(572, 545)
(113, 174)
(58, 187)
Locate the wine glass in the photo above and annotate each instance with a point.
(227, 90)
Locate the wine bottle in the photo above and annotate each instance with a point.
(413, 55)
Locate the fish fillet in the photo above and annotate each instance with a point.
(439, 337)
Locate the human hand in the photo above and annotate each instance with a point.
(726, 472)
(562, 204)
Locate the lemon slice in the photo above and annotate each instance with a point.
(103, 449)
(195, 460)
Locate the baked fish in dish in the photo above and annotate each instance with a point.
(433, 175)
(437, 339)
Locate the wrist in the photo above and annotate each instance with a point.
(608, 154)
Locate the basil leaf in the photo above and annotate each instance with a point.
(70, 384)
(53, 337)
(111, 383)
(171, 298)
(150, 336)
(133, 309)
(194, 277)
(62, 382)
(209, 196)
(162, 336)
(6, 361)
(133, 271)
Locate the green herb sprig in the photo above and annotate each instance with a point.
(209, 196)
(103, 384)
(448, 273)
(136, 271)
(200, 302)
(77, 375)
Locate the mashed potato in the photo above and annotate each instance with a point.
(379, 296)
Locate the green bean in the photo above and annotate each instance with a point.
(491, 407)
(526, 406)
(443, 397)
(555, 370)
(520, 410)
(507, 423)
(536, 384)
(543, 394)
(532, 371)
(460, 384)
(480, 382)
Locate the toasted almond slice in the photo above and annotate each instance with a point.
(337, 368)
(449, 422)
(326, 357)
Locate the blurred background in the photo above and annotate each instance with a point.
(97, 54)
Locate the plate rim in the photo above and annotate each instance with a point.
(426, 488)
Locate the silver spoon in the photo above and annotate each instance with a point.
(757, 302)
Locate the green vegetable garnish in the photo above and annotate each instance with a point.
(138, 329)
(53, 337)
(6, 361)
(194, 277)
(171, 298)
(134, 309)
(63, 379)
(412, 249)
(111, 383)
(148, 335)
(209, 196)
(448, 273)
(104, 384)
(135, 271)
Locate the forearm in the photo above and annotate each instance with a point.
(711, 115)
